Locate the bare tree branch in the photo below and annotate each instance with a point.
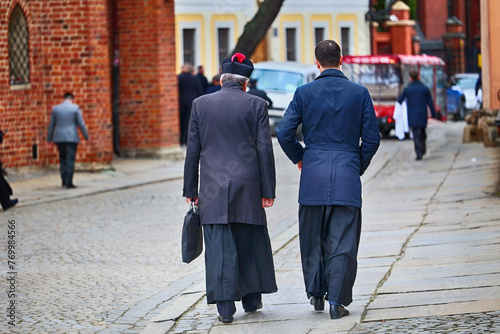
(256, 29)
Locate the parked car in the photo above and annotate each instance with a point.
(280, 80)
(462, 94)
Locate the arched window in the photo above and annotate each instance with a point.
(18, 48)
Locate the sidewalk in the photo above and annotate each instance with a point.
(428, 259)
(46, 187)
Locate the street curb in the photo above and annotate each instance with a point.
(95, 192)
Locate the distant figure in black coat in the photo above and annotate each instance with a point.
(189, 89)
(215, 86)
(418, 97)
(230, 151)
(260, 93)
(5, 189)
(202, 78)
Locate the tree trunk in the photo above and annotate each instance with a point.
(256, 29)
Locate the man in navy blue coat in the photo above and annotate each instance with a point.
(335, 114)
(418, 97)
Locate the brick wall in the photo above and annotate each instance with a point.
(433, 16)
(149, 117)
(69, 50)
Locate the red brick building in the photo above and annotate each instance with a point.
(116, 56)
(446, 28)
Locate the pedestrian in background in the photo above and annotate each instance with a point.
(202, 78)
(189, 89)
(64, 121)
(230, 145)
(5, 188)
(215, 85)
(260, 93)
(335, 114)
(418, 97)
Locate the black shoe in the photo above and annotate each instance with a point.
(226, 319)
(10, 204)
(71, 186)
(318, 302)
(337, 311)
(418, 158)
(254, 310)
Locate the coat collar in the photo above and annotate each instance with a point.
(332, 72)
(231, 85)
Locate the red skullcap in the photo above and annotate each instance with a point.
(240, 57)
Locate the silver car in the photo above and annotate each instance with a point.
(466, 84)
(280, 80)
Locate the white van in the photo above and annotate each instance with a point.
(280, 80)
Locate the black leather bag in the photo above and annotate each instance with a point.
(192, 235)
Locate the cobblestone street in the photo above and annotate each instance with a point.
(110, 262)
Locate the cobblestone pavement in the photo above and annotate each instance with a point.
(408, 205)
(458, 324)
(110, 262)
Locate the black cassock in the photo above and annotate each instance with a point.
(229, 144)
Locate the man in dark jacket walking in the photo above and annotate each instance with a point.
(335, 114)
(189, 89)
(418, 97)
(229, 143)
(5, 189)
(260, 93)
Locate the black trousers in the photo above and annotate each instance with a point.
(419, 138)
(67, 155)
(250, 302)
(329, 239)
(5, 191)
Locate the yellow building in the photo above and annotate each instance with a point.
(206, 31)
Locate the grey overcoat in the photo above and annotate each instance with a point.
(65, 119)
(229, 143)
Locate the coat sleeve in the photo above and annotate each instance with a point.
(266, 155)
(288, 127)
(370, 135)
(52, 124)
(430, 103)
(81, 123)
(402, 97)
(193, 150)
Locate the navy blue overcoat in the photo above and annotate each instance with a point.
(340, 134)
(418, 97)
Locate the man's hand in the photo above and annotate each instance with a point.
(267, 202)
(50, 145)
(299, 165)
(195, 199)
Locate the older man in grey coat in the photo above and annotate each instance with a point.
(65, 119)
(229, 143)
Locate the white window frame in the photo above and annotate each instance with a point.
(350, 25)
(320, 24)
(296, 26)
(197, 40)
(228, 25)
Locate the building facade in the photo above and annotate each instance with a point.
(116, 57)
(449, 29)
(207, 31)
